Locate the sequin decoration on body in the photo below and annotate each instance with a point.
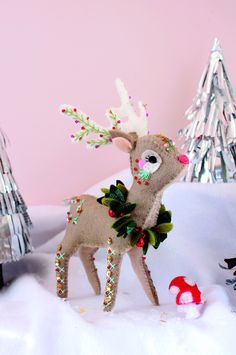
(59, 268)
(79, 209)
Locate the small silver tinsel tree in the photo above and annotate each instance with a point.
(14, 219)
(211, 135)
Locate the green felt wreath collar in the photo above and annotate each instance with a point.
(115, 198)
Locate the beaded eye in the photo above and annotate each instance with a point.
(150, 161)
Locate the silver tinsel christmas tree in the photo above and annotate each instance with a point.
(14, 219)
(210, 137)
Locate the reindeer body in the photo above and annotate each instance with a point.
(87, 237)
(93, 229)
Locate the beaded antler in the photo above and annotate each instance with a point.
(122, 221)
(135, 123)
(88, 127)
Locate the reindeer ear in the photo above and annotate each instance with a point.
(122, 144)
(123, 141)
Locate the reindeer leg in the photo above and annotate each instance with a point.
(141, 270)
(86, 256)
(113, 272)
(61, 267)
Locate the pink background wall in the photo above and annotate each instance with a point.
(70, 51)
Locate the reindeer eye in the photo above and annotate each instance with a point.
(151, 161)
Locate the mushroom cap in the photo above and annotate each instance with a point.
(186, 290)
(181, 282)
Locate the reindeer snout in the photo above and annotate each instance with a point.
(183, 159)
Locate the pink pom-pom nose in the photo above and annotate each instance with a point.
(183, 159)
(141, 164)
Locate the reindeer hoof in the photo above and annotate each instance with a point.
(108, 307)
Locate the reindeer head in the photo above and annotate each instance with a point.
(154, 159)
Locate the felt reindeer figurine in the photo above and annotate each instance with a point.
(122, 221)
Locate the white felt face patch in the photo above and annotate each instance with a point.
(150, 161)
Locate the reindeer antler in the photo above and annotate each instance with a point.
(90, 127)
(135, 123)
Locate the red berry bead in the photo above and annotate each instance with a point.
(135, 169)
(111, 213)
(75, 110)
(147, 183)
(83, 128)
(140, 243)
(63, 110)
(136, 160)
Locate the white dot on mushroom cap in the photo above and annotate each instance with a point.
(186, 298)
(174, 290)
(189, 281)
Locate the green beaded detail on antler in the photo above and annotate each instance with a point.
(90, 127)
(115, 198)
(116, 123)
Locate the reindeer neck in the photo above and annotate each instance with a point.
(148, 204)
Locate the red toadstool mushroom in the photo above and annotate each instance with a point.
(187, 293)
